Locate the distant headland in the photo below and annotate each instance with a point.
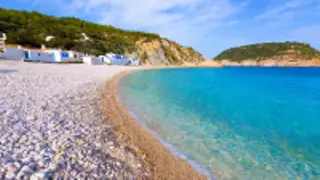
(270, 54)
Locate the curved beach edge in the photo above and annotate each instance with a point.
(158, 161)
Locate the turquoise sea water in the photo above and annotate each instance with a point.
(236, 123)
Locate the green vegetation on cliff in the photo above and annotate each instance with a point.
(269, 50)
(32, 28)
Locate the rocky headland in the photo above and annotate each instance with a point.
(270, 54)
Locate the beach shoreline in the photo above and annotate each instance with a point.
(158, 161)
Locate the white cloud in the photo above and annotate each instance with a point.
(185, 21)
(233, 22)
(39, 2)
(283, 9)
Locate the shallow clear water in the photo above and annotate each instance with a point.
(236, 123)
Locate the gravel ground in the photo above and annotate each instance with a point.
(52, 126)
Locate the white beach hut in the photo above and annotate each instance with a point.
(116, 59)
(37, 55)
(91, 60)
(3, 38)
(104, 59)
(10, 53)
(134, 62)
(64, 56)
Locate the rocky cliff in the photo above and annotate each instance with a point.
(165, 52)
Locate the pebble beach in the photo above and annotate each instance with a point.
(52, 126)
(64, 121)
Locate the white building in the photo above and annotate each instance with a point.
(42, 55)
(116, 59)
(11, 53)
(3, 38)
(134, 62)
(65, 56)
(104, 59)
(38, 56)
(91, 60)
(52, 55)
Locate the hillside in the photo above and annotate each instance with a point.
(271, 54)
(32, 29)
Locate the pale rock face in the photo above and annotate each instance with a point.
(229, 63)
(85, 37)
(165, 52)
(49, 38)
(162, 56)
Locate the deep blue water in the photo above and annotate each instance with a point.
(236, 123)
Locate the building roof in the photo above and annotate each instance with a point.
(35, 50)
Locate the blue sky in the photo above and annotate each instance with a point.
(209, 26)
